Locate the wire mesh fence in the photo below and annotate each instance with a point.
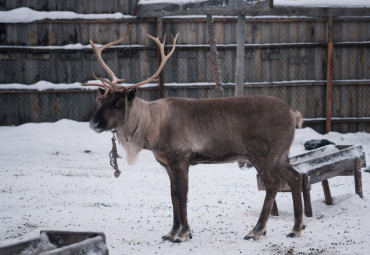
(294, 73)
(297, 75)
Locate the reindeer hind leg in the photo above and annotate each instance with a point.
(272, 184)
(294, 180)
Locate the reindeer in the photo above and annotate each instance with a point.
(182, 132)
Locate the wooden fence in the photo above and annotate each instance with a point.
(284, 57)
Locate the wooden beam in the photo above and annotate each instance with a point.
(240, 52)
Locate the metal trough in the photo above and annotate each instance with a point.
(321, 164)
(60, 243)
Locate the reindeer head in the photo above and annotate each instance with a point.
(116, 98)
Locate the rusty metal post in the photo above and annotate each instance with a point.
(160, 77)
(329, 74)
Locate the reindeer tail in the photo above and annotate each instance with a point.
(299, 119)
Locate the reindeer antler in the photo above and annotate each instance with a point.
(112, 85)
(106, 84)
(164, 58)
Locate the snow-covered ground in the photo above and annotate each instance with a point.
(56, 176)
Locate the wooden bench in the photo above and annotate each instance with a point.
(321, 164)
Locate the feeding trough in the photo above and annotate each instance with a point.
(321, 164)
(60, 243)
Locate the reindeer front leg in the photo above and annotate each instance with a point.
(180, 231)
(176, 214)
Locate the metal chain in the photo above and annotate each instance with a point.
(113, 155)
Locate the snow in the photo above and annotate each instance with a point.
(56, 176)
(25, 15)
(293, 3)
(45, 85)
(322, 3)
(42, 246)
(306, 166)
(315, 153)
(169, 1)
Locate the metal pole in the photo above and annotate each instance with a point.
(329, 74)
(160, 77)
(240, 52)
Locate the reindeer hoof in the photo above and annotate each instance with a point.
(291, 235)
(303, 226)
(176, 241)
(255, 234)
(167, 238)
(182, 236)
(250, 237)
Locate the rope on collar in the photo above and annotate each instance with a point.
(113, 155)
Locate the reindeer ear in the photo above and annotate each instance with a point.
(101, 91)
(131, 93)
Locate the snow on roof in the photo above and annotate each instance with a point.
(321, 3)
(278, 3)
(26, 15)
(169, 1)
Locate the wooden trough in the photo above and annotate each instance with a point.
(60, 243)
(321, 164)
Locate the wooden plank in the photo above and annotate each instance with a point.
(265, 33)
(329, 171)
(275, 33)
(284, 187)
(284, 32)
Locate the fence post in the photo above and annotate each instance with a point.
(216, 70)
(160, 77)
(329, 73)
(240, 52)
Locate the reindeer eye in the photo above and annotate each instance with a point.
(119, 103)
